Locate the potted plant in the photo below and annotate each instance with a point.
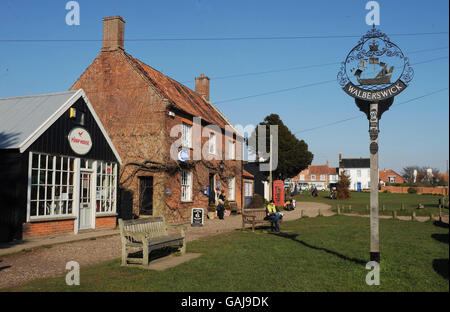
(211, 210)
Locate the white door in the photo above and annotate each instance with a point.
(85, 216)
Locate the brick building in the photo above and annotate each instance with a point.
(319, 176)
(141, 109)
(387, 177)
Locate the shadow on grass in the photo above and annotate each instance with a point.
(155, 254)
(443, 238)
(331, 252)
(441, 267)
(441, 224)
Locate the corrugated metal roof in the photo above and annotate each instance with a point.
(21, 116)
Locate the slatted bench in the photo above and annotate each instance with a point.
(255, 216)
(148, 234)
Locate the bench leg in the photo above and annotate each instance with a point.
(124, 254)
(145, 252)
(183, 248)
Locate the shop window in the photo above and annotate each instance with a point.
(106, 187)
(51, 185)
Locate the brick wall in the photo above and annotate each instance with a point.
(105, 222)
(420, 190)
(136, 118)
(47, 228)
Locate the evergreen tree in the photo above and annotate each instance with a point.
(293, 154)
(343, 186)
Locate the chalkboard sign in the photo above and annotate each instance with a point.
(197, 217)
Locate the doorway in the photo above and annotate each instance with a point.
(85, 217)
(212, 188)
(146, 196)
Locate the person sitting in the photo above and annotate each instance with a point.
(273, 214)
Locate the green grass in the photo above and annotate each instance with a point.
(391, 201)
(310, 254)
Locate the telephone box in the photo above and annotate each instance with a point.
(278, 193)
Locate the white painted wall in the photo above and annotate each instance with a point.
(363, 178)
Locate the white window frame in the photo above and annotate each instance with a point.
(358, 173)
(232, 189)
(231, 149)
(212, 143)
(186, 135)
(248, 189)
(186, 183)
(323, 177)
(107, 188)
(52, 201)
(302, 177)
(313, 177)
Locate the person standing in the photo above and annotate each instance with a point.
(221, 205)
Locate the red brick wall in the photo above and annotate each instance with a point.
(105, 222)
(420, 190)
(132, 114)
(47, 228)
(136, 118)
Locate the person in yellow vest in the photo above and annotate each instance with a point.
(272, 213)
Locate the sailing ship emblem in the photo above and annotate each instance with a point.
(377, 74)
(375, 69)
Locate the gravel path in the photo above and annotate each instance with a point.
(48, 261)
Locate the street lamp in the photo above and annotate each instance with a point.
(373, 73)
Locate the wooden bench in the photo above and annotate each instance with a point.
(233, 208)
(255, 216)
(148, 234)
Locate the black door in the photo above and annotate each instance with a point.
(146, 196)
(212, 191)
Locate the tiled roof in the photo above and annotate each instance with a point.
(354, 163)
(181, 96)
(247, 174)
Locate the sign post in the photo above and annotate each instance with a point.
(373, 73)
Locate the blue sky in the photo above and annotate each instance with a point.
(415, 133)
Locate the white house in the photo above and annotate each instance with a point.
(358, 171)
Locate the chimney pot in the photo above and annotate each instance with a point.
(202, 86)
(113, 33)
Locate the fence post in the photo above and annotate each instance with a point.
(413, 216)
(384, 208)
(394, 214)
(338, 210)
(431, 216)
(350, 208)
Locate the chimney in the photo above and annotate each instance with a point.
(202, 86)
(327, 162)
(113, 33)
(340, 156)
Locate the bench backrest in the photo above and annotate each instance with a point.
(153, 226)
(258, 213)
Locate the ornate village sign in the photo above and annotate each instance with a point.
(374, 72)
